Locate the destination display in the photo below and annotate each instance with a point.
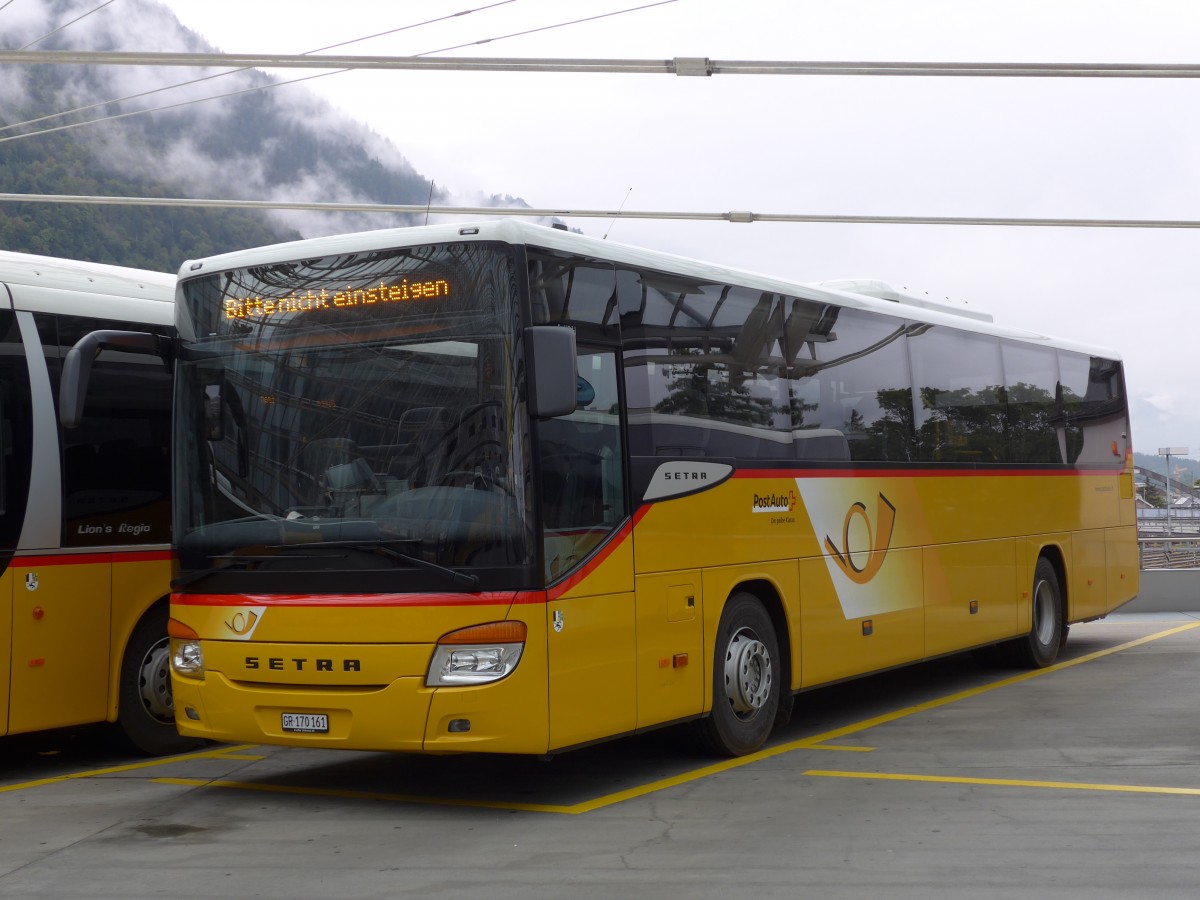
(404, 291)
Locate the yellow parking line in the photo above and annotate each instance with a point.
(809, 742)
(1009, 782)
(128, 767)
(241, 757)
(815, 742)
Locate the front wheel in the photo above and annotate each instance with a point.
(145, 710)
(746, 680)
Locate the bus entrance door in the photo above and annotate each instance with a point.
(6, 594)
(591, 667)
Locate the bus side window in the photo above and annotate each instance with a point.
(705, 368)
(960, 408)
(116, 464)
(1030, 383)
(851, 391)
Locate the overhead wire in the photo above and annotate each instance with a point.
(169, 87)
(735, 216)
(679, 65)
(65, 25)
(550, 27)
(338, 71)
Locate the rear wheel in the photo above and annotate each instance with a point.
(746, 680)
(146, 711)
(1048, 631)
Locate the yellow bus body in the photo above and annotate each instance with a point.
(68, 635)
(84, 554)
(636, 626)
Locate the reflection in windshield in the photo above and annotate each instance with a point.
(385, 415)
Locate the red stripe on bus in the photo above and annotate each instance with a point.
(924, 473)
(83, 559)
(618, 538)
(489, 598)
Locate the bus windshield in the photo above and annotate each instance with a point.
(355, 412)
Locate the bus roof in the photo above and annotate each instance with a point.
(869, 294)
(78, 275)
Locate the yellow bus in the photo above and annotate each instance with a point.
(500, 487)
(84, 513)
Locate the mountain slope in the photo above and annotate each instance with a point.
(271, 144)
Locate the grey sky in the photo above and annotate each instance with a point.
(1053, 148)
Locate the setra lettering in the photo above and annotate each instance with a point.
(300, 664)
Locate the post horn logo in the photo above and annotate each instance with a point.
(879, 539)
(242, 623)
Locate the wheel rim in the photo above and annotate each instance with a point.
(154, 682)
(1045, 613)
(748, 673)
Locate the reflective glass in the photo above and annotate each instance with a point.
(357, 412)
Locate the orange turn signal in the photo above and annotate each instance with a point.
(177, 629)
(511, 632)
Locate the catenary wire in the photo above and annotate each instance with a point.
(279, 84)
(504, 37)
(735, 216)
(682, 65)
(80, 109)
(66, 24)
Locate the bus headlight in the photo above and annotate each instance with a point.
(187, 659)
(477, 655)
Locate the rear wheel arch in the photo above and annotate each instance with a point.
(767, 594)
(1053, 554)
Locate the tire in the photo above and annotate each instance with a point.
(145, 711)
(1048, 631)
(746, 680)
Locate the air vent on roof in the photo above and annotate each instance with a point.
(881, 290)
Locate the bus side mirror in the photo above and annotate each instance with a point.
(77, 367)
(553, 370)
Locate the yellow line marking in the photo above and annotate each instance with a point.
(845, 748)
(241, 757)
(128, 767)
(809, 742)
(816, 742)
(1010, 782)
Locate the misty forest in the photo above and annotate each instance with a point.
(270, 144)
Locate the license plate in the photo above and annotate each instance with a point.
(306, 723)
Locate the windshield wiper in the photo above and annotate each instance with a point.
(245, 561)
(460, 578)
(231, 560)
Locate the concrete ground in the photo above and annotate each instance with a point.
(944, 780)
